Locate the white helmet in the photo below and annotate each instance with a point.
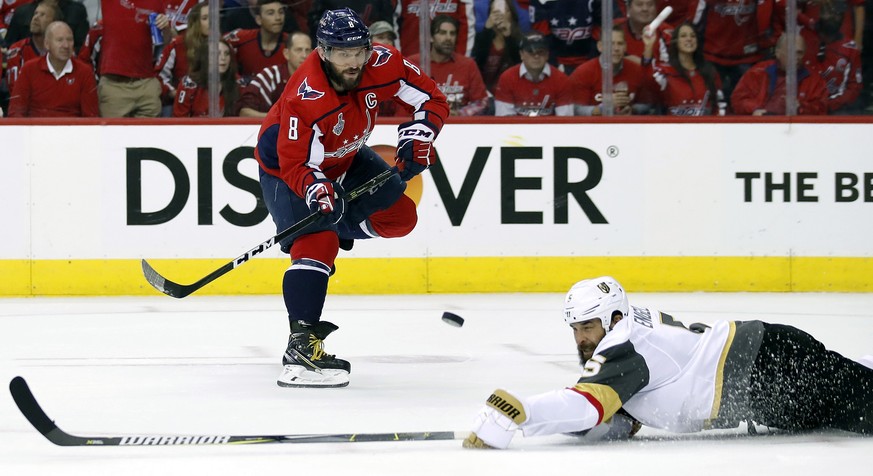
(596, 298)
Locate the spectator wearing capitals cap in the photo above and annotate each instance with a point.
(495, 48)
(533, 88)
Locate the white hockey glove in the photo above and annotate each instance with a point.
(496, 422)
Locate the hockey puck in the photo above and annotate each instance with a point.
(453, 319)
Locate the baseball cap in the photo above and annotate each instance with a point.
(533, 42)
(380, 27)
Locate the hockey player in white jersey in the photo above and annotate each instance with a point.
(683, 380)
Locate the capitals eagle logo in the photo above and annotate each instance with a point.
(307, 93)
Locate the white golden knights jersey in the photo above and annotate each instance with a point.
(663, 374)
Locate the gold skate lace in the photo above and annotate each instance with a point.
(317, 346)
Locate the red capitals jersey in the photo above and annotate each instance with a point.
(460, 80)
(250, 58)
(682, 10)
(731, 31)
(635, 46)
(839, 65)
(193, 100)
(587, 81)
(518, 95)
(7, 8)
(129, 50)
(172, 66)
(409, 22)
(763, 87)
(19, 53)
(38, 94)
(264, 89)
(90, 52)
(314, 129)
(681, 97)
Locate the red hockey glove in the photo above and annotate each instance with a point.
(415, 151)
(325, 196)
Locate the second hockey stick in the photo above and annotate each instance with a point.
(177, 290)
(37, 417)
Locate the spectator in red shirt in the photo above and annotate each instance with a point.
(639, 14)
(688, 85)
(259, 95)
(58, 85)
(257, 49)
(128, 86)
(457, 76)
(836, 59)
(90, 52)
(627, 80)
(192, 99)
(33, 46)
(173, 63)
(761, 91)
(533, 88)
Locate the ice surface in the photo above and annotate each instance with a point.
(208, 365)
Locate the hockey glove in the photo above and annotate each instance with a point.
(325, 196)
(496, 422)
(415, 151)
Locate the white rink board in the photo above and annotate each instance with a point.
(666, 190)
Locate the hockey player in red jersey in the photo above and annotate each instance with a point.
(311, 147)
(684, 380)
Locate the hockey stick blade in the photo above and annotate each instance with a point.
(37, 417)
(177, 290)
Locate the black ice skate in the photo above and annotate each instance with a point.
(306, 364)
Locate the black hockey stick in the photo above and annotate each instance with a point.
(36, 416)
(177, 290)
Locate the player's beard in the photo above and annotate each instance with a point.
(344, 82)
(586, 351)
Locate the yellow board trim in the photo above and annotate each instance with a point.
(451, 275)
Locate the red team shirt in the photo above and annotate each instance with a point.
(409, 21)
(264, 89)
(173, 64)
(681, 97)
(763, 87)
(126, 24)
(39, 94)
(318, 129)
(839, 65)
(459, 79)
(192, 100)
(731, 31)
(19, 53)
(250, 58)
(586, 81)
(533, 99)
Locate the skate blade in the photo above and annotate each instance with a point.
(297, 376)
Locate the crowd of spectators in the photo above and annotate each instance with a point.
(150, 58)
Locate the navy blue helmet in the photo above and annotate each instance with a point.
(342, 28)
